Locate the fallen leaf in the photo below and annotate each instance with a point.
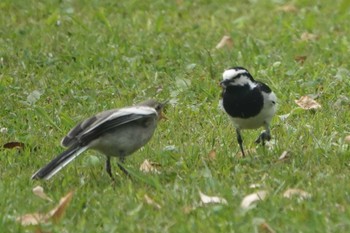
(285, 155)
(148, 166)
(54, 215)
(252, 198)
(39, 191)
(226, 41)
(288, 8)
(151, 202)
(289, 193)
(307, 103)
(57, 213)
(14, 145)
(265, 227)
(300, 59)
(211, 199)
(306, 36)
(347, 139)
(32, 219)
(212, 155)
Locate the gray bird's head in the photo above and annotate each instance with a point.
(237, 76)
(158, 106)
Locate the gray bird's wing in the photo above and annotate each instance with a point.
(94, 126)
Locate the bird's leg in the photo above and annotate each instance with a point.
(121, 161)
(240, 141)
(108, 167)
(264, 136)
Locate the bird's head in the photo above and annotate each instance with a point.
(158, 106)
(237, 76)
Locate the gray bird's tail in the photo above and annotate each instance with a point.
(58, 163)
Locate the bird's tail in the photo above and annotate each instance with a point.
(58, 163)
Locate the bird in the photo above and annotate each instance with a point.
(114, 133)
(250, 104)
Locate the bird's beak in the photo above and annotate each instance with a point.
(162, 116)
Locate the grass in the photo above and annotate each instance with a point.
(62, 61)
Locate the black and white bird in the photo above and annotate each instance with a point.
(250, 104)
(115, 133)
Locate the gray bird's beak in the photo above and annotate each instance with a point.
(161, 114)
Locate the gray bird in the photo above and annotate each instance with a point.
(115, 133)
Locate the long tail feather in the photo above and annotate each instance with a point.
(58, 163)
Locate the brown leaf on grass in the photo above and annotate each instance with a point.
(151, 202)
(54, 215)
(212, 155)
(285, 155)
(252, 198)
(307, 103)
(289, 193)
(148, 166)
(300, 59)
(211, 199)
(288, 8)
(306, 36)
(347, 139)
(265, 228)
(226, 41)
(57, 213)
(14, 145)
(32, 219)
(39, 191)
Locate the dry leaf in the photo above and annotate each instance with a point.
(285, 155)
(264, 227)
(307, 103)
(301, 59)
(289, 193)
(305, 36)
(151, 202)
(347, 139)
(148, 166)
(54, 215)
(211, 199)
(212, 155)
(288, 8)
(252, 198)
(32, 219)
(14, 145)
(57, 213)
(39, 191)
(226, 41)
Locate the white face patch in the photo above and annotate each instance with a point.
(229, 74)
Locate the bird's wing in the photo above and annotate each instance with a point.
(93, 127)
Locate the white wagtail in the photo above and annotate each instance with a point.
(116, 132)
(250, 104)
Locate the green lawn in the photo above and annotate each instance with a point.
(62, 61)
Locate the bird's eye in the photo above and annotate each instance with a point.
(158, 107)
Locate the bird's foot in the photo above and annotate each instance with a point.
(264, 136)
